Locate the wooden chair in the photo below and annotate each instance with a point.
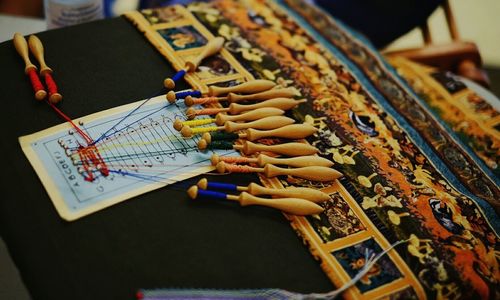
(460, 57)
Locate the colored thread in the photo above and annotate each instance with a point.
(206, 100)
(51, 84)
(198, 122)
(87, 139)
(222, 145)
(182, 95)
(220, 135)
(179, 75)
(235, 159)
(222, 186)
(35, 80)
(208, 111)
(370, 261)
(197, 130)
(239, 169)
(128, 115)
(211, 194)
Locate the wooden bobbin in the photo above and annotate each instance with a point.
(288, 149)
(211, 48)
(22, 48)
(171, 97)
(264, 123)
(294, 206)
(258, 190)
(178, 124)
(292, 192)
(271, 122)
(281, 103)
(295, 131)
(262, 159)
(37, 49)
(251, 115)
(321, 174)
(266, 95)
(254, 86)
(234, 108)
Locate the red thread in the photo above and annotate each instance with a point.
(206, 100)
(90, 156)
(51, 84)
(209, 111)
(87, 139)
(35, 80)
(239, 169)
(235, 159)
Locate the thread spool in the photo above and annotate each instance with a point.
(321, 174)
(190, 101)
(215, 159)
(192, 113)
(219, 136)
(178, 124)
(215, 145)
(294, 206)
(188, 132)
(253, 86)
(173, 96)
(30, 69)
(262, 159)
(288, 149)
(205, 184)
(169, 83)
(266, 95)
(37, 49)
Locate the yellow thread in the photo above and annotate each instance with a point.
(204, 129)
(198, 122)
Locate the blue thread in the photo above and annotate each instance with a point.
(222, 186)
(211, 194)
(126, 116)
(182, 95)
(179, 75)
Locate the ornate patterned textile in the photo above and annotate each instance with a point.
(410, 173)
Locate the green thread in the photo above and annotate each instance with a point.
(222, 145)
(220, 136)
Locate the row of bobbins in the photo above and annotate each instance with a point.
(254, 110)
(239, 125)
